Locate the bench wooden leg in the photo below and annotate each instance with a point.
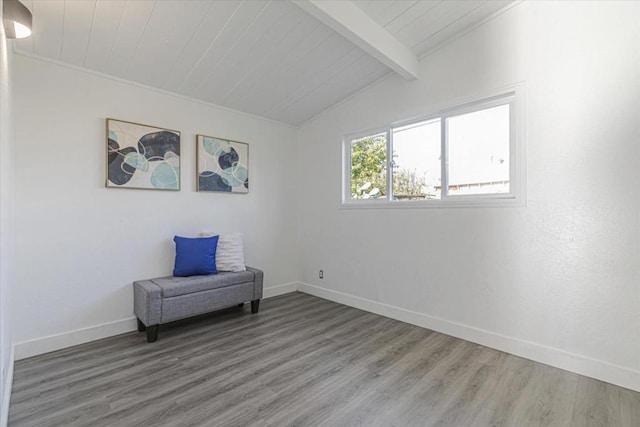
(152, 333)
(141, 326)
(255, 305)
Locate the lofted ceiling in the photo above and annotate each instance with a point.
(269, 58)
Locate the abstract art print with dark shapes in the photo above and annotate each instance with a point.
(223, 165)
(140, 156)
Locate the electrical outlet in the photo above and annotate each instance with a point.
(321, 274)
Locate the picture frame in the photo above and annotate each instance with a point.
(142, 156)
(222, 165)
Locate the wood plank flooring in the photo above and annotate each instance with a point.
(304, 361)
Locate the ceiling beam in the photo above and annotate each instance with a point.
(348, 20)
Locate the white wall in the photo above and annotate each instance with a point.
(79, 245)
(6, 362)
(558, 280)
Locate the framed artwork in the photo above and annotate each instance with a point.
(140, 156)
(223, 165)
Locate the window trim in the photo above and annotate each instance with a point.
(513, 96)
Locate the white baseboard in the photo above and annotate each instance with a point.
(49, 343)
(285, 288)
(593, 368)
(6, 393)
(614, 374)
(55, 342)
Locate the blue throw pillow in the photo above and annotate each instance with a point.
(195, 256)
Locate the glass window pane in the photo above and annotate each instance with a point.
(478, 145)
(368, 167)
(416, 161)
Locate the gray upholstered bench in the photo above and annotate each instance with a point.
(166, 299)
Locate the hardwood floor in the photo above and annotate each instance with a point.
(304, 361)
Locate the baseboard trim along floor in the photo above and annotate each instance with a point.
(62, 340)
(55, 342)
(593, 368)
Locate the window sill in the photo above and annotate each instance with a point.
(493, 202)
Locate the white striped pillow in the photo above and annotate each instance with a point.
(230, 251)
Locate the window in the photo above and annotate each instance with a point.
(462, 155)
(478, 157)
(416, 161)
(369, 167)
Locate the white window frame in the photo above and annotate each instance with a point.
(513, 96)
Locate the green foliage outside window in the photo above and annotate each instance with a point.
(409, 185)
(369, 177)
(368, 172)
(368, 163)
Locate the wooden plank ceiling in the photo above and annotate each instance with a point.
(268, 58)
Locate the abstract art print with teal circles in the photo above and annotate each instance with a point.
(223, 165)
(140, 156)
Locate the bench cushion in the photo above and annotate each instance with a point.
(176, 286)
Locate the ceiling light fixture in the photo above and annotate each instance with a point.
(17, 19)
